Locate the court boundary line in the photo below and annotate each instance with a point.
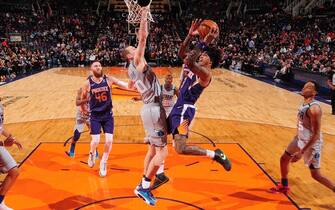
(131, 197)
(236, 143)
(267, 174)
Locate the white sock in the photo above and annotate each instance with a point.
(104, 157)
(93, 147)
(106, 154)
(145, 184)
(161, 168)
(210, 153)
(94, 143)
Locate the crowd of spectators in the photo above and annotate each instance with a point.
(247, 44)
(54, 40)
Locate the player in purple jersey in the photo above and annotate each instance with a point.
(99, 88)
(196, 76)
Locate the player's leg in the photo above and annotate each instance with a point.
(313, 159)
(317, 175)
(7, 165)
(148, 157)
(181, 147)
(108, 128)
(154, 122)
(78, 129)
(285, 160)
(143, 190)
(95, 135)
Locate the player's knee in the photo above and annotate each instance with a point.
(95, 139)
(285, 157)
(14, 172)
(76, 135)
(109, 138)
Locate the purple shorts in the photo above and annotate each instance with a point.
(106, 124)
(180, 118)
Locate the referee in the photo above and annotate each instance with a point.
(331, 84)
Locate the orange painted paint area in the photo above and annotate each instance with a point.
(51, 180)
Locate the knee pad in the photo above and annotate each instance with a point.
(76, 135)
(108, 137)
(95, 139)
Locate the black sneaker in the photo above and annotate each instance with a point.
(221, 158)
(159, 180)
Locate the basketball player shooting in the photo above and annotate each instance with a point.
(196, 77)
(152, 113)
(98, 88)
(307, 143)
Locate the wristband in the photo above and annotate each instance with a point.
(122, 84)
(202, 46)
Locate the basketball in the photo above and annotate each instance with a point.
(205, 27)
(144, 3)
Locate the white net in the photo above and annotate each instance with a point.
(135, 12)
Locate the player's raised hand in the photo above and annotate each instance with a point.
(212, 35)
(193, 31)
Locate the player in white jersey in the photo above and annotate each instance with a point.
(82, 119)
(7, 164)
(152, 113)
(308, 141)
(169, 91)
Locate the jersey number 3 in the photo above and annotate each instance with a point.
(101, 97)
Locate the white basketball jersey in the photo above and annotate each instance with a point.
(304, 125)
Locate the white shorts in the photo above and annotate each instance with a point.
(7, 162)
(312, 157)
(154, 123)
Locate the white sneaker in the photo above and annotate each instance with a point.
(103, 169)
(4, 207)
(91, 160)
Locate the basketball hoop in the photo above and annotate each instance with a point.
(135, 12)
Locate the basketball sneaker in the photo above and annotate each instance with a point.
(145, 194)
(280, 189)
(159, 180)
(4, 207)
(221, 158)
(71, 153)
(91, 160)
(103, 169)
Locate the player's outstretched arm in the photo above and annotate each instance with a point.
(142, 41)
(112, 80)
(184, 48)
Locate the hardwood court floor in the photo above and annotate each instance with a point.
(58, 182)
(233, 109)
